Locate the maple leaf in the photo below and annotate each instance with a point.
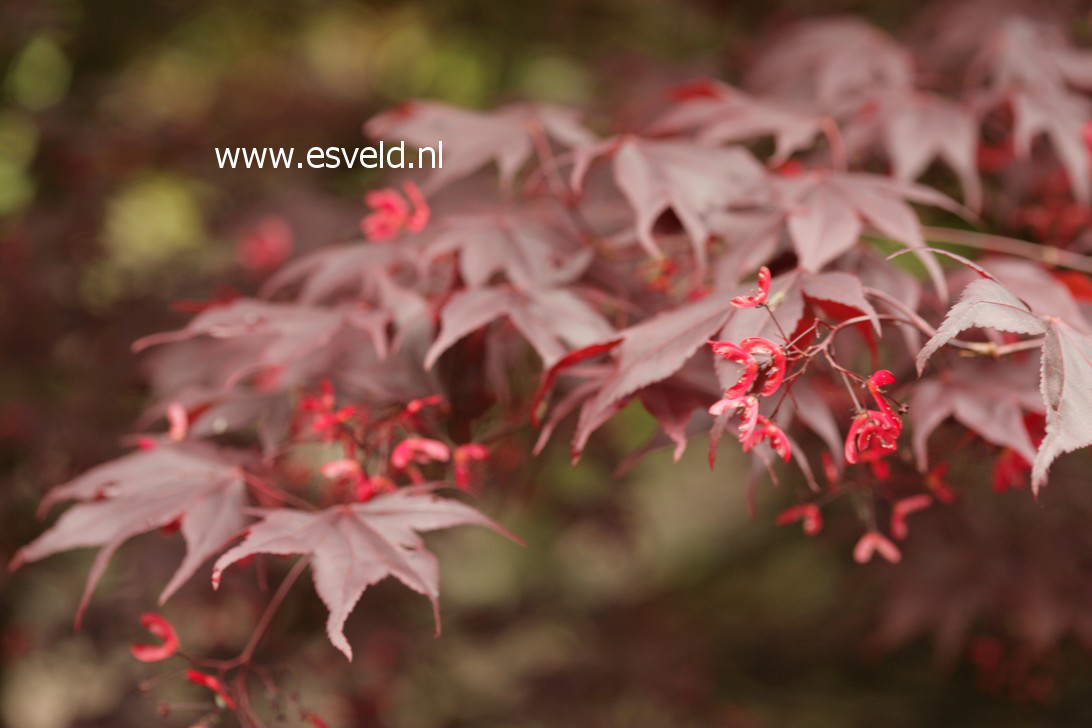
(1032, 68)
(720, 114)
(529, 252)
(825, 211)
(920, 128)
(280, 333)
(991, 404)
(214, 412)
(1030, 53)
(1061, 117)
(984, 303)
(574, 399)
(652, 351)
(568, 361)
(549, 318)
(836, 64)
(672, 403)
(811, 408)
(841, 288)
(387, 278)
(1035, 286)
(753, 236)
(201, 488)
(1066, 365)
(1066, 386)
(206, 375)
(356, 267)
(473, 139)
(825, 226)
(355, 546)
(693, 180)
(900, 290)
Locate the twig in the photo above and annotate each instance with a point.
(274, 604)
(912, 315)
(837, 146)
(247, 654)
(984, 348)
(558, 187)
(1011, 246)
(266, 489)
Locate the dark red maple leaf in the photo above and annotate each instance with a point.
(566, 362)
(1062, 118)
(673, 408)
(840, 288)
(355, 546)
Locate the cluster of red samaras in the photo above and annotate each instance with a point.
(342, 425)
(392, 213)
(872, 436)
(755, 381)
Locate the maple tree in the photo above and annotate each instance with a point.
(680, 264)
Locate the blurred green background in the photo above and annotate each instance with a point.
(646, 600)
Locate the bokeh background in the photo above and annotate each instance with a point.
(649, 599)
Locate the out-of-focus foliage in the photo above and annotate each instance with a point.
(645, 601)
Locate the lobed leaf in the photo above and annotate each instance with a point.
(987, 304)
(355, 546)
(197, 486)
